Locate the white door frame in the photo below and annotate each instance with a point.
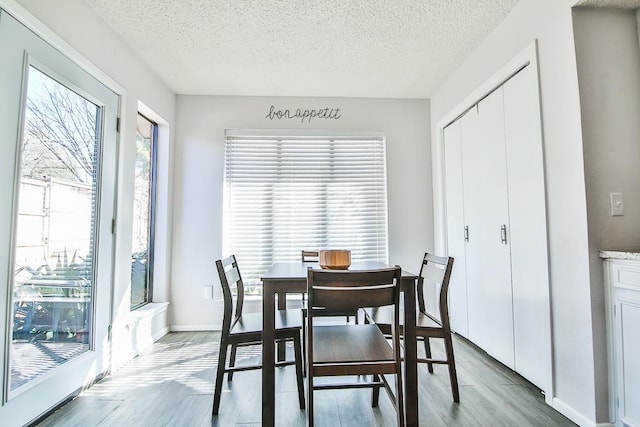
(528, 56)
(11, 401)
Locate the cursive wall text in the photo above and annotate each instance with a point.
(322, 113)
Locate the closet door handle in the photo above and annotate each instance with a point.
(503, 234)
(466, 233)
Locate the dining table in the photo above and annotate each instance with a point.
(291, 277)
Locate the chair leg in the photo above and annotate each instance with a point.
(399, 396)
(298, 356)
(310, 396)
(375, 392)
(217, 392)
(453, 376)
(427, 351)
(304, 345)
(232, 360)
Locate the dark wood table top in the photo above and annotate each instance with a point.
(298, 270)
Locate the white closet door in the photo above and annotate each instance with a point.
(455, 228)
(529, 259)
(487, 216)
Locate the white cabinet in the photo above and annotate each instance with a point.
(622, 281)
(496, 228)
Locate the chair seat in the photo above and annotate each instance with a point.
(350, 344)
(251, 323)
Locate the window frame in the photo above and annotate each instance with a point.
(153, 174)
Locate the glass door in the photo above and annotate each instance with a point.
(58, 188)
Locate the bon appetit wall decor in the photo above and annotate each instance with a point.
(303, 114)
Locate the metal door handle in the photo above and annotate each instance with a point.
(503, 234)
(466, 233)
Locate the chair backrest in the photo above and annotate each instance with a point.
(310, 256)
(438, 270)
(230, 277)
(343, 290)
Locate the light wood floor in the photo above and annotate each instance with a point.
(172, 385)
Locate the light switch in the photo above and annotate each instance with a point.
(208, 292)
(617, 204)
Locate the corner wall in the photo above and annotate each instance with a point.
(550, 23)
(199, 171)
(608, 60)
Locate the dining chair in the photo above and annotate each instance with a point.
(354, 349)
(437, 270)
(240, 329)
(310, 256)
(314, 256)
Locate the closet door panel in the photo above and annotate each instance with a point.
(529, 258)
(472, 200)
(487, 216)
(454, 202)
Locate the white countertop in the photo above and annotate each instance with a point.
(619, 255)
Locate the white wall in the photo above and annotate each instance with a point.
(89, 40)
(201, 122)
(608, 59)
(550, 22)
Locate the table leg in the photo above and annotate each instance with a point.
(410, 353)
(268, 357)
(282, 305)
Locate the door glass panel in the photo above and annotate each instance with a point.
(54, 235)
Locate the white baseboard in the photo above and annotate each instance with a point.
(576, 416)
(190, 328)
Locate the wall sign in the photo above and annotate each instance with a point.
(322, 113)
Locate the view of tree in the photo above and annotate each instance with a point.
(60, 134)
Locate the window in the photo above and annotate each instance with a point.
(285, 193)
(143, 212)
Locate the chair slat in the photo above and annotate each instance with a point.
(433, 273)
(352, 298)
(233, 276)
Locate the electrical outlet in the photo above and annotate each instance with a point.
(617, 204)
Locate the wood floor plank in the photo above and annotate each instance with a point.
(172, 385)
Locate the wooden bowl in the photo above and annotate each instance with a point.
(335, 259)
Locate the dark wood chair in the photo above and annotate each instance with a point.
(240, 329)
(310, 256)
(352, 349)
(438, 270)
(314, 256)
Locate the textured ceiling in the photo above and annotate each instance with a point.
(350, 48)
(621, 4)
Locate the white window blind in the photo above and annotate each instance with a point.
(288, 193)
